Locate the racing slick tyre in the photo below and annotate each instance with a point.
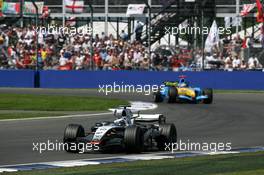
(157, 97)
(168, 135)
(71, 133)
(209, 93)
(133, 139)
(172, 95)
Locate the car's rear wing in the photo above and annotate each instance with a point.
(149, 118)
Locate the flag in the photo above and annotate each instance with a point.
(71, 21)
(1, 4)
(12, 8)
(247, 9)
(227, 22)
(212, 38)
(29, 8)
(135, 9)
(236, 21)
(184, 24)
(46, 12)
(260, 16)
(74, 6)
(1, 7)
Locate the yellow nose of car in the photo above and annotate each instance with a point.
(186, 92)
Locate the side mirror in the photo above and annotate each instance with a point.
(162, 119)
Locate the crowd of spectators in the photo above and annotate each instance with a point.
(60, 51)
(231, 54)
(63, 51)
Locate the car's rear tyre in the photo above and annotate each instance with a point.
(209, 93)
(168, 135)
(172, 95)
(157, 97)
(71, 133)
(133, 139)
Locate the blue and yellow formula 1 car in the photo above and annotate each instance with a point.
(180, 91)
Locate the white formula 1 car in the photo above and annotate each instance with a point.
(130, 132)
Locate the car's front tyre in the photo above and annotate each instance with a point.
(134, 139)
(157, 96)
(172, 95)
(209, 93)
(71, 133)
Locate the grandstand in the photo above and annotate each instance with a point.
(170, 14)
(163, 14)
(180, 9)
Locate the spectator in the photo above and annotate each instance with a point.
(124, 36)
(97, 61)
(262, 40)
(238, 45)
(103, 54)
(253, 63)
(228, 62)
(138, 31)
(145, 63)
(262, 36)
(236, 63)
(115, 62)
(79, 61)
(243, 65)
(176, 63)
(63, 61)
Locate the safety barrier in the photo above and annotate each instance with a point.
(236, 80)
(17, 78)
(93, 79)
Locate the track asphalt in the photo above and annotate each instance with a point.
(233, 117)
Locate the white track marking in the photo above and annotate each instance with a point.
(73, 163)
(56, 117)
(222, 152)
(140, 106)
(7, 170)
(148, 157)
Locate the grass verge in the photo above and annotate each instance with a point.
(27, 106)
(56, 103)
(18, 115)
(239, 164)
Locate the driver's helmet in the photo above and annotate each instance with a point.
(123, 117)
(121, 122)
(126, 116)
(124, 113)
(183, 84)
